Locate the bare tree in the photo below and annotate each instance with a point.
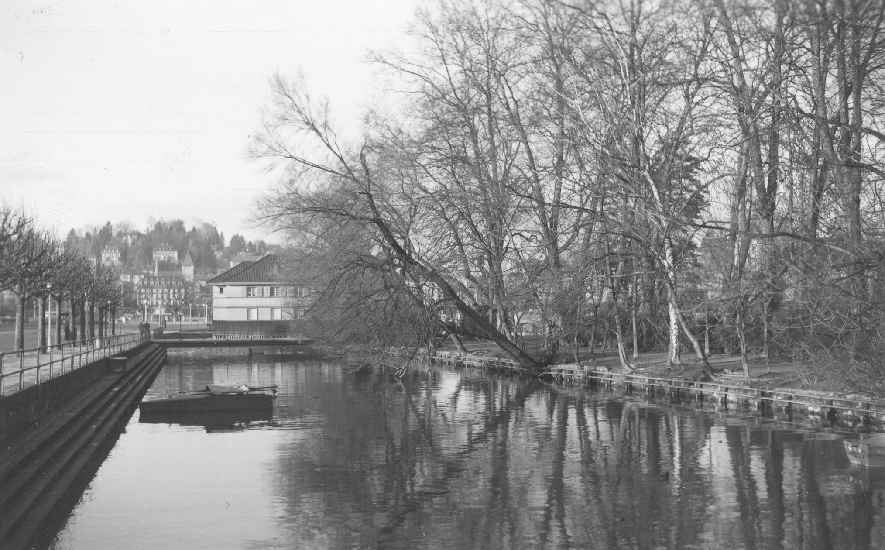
(353, 185)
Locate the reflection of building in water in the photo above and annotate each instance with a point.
(249, 372)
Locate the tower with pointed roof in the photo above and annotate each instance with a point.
(187, 267)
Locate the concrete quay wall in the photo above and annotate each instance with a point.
(855, 411)
(858, 412)
(24, 409)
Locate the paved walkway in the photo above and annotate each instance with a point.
(7, 336)
(51, 363)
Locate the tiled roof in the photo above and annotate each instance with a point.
(260, 271)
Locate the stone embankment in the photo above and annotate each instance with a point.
(51, 434)
(855, 411)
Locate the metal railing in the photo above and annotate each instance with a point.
(33, 366)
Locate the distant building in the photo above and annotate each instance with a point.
(166, 254)
(110, 256)
(202, 276)
(250, 300)
(133, 277)
(156, 293)
(243, 257)
(187, 267)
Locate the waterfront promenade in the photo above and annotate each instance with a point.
(22, 369)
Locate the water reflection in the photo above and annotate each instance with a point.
(463, 459)
(212, 421)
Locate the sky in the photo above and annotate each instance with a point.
(137, 110)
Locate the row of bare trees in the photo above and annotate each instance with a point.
(703, 175)
(36, 266)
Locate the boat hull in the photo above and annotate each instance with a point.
(863, 454)
(209, 403)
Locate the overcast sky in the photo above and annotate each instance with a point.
(133, 109)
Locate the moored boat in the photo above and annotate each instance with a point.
(868, 451)
(213, 398)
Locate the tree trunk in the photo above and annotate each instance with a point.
(58, 329)
(634, 314)
(90, 318)
(707, 336)
(742, 338)
(458, 343)
(699, 351)
(72, 321)
(81, 310)
(42, 325)
(622, 349)
(672, 306)
(20, 314)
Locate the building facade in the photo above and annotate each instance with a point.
(166, 254)
(251, 301)
(160, 295)
(110, 256)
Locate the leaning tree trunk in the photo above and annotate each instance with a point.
(695, 343)
(622, 348)
(457, 341)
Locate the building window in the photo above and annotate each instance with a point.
(251, 291)
(276, 313)
(221, 290)
(252, 314)
(275, 291)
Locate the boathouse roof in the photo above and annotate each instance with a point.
(263, 270)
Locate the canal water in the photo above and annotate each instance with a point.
(465, 459)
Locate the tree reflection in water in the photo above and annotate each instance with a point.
(464, 459)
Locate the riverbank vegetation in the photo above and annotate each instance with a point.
(702, 177)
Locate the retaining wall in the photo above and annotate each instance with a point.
(851, 411)
(24, 409)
